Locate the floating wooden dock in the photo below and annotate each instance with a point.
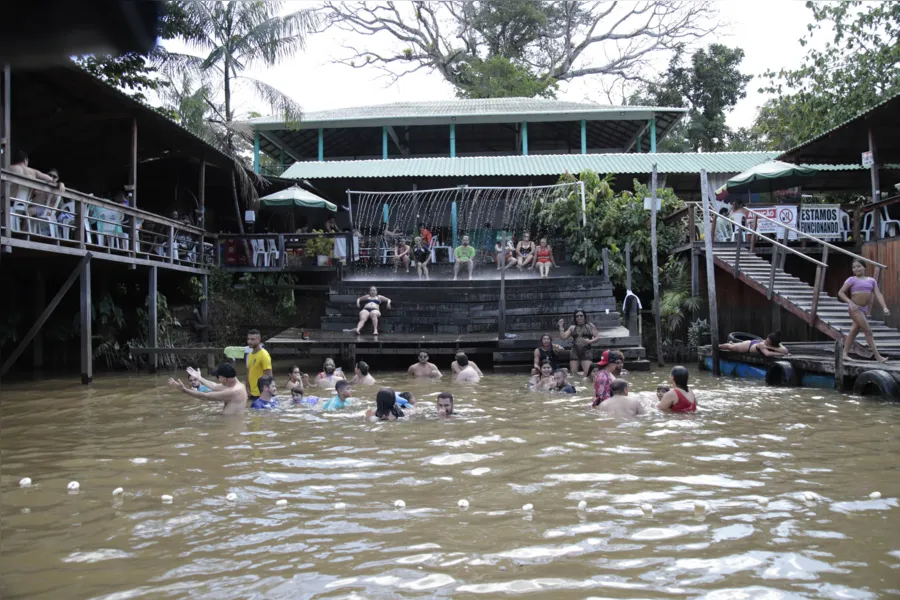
(811, 365)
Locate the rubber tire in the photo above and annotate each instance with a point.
(878, 381)
(782, 373)
(736, 337)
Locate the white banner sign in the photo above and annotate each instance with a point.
(821, 220)
(786, 214)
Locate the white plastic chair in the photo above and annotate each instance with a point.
(18, 207)
(48, 216)
(868, 224)
(846, 227)
(109, 227)
(259, 251)
(435, 244)
(272, 252)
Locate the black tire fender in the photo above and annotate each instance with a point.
(877, 382)
(783, 373)
(736, 337)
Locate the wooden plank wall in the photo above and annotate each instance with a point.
(887, 252)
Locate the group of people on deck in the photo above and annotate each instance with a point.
(523, 255)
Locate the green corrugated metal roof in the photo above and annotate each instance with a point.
(534, 165)
(462, 111)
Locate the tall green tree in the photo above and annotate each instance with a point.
(709, 85)
(234, 37)
(491, 48)
(857, 68)
(133, 72)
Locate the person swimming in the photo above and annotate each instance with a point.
(298, 397)
(620, 404)
(561, 382)
(386, 408)
(679, 399)
(330, 374)
(267, 391)
(362, 376)
(467, 373)
(543, 381)
(341, 399)
(445, 405)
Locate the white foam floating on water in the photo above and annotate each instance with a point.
(700, 507)
(166, 499)
(118, 491)
(25, 482)
(810, 497)
(528, 507)
(139, 461)
(582, 505)
(73, 486)
(281, 502)
(763, 501)
(463, 504)
(873, 495)
(339, 506)
(232, 497)
(647, 509)
(399, 504)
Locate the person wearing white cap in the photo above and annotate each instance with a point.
(228, 390)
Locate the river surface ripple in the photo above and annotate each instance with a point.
(786, 475)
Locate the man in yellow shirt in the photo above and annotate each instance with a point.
(259, 363)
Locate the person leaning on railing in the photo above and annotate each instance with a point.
(20, 167)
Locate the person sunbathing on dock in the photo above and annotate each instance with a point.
(371, 309)
(771, 346)
(423, 368)
(228, 390)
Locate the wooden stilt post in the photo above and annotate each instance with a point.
(87, 353)
(40, 302)
(45, 314)
(152, 326)
(204, 307)
(839, 365)
(710, 275)
(202, 195)
(653, 242)
(501, 302)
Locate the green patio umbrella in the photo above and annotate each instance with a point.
(295, 196)
(770, 175)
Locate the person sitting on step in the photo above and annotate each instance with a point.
(371, 309)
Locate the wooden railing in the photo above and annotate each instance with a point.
(71, 219)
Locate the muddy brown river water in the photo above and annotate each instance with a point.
(786, 474)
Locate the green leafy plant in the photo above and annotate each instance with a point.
(320, 245)
(613, 221)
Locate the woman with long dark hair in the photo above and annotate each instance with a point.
(546, 351)
(860, 293)
(386, 408)
(583, 334)
(679, 398)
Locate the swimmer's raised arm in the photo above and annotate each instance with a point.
(219, 395)
(213, 385)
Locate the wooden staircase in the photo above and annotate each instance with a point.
(798, 297)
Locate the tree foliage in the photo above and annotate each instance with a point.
(134, 72)
(858, 68)
(709, 86)
(614, 220)
(487, 47)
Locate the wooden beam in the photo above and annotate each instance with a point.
(710, 274)
(45, 314)
(5, 121)
(654, 244)
(133, 175)
(281, 146)
(152, 316)
(635, 139)
(40, 303)
(404, 150)
(204, 307)
(202, 195)
(873, 170)
(839, 365)
(87, 350)
(501, 304)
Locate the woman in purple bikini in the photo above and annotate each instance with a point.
(860, 292)
(771, 346)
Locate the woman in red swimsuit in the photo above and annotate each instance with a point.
(544, 259)
(679, 399)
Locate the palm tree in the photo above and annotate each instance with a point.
(229, 38)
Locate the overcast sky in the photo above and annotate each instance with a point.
(767, 30)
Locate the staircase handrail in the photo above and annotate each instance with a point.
(774, 242)
(862, 259)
